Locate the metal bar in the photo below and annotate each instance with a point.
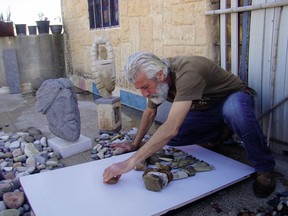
(245, 44)
(223, 38)
(248, 8)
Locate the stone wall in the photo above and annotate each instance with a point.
(39, 57)
(164, 27)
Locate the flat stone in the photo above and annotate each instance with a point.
(12, 71)
(68, 148)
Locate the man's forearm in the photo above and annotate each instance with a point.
(145, 123)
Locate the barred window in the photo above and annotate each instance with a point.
(103, 13)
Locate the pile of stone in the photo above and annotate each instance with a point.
(22, 153)
(103, 148)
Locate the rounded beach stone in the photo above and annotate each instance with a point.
(14, 199)
(113, 180)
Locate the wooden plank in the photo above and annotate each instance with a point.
(223, 38)
(256, 52)
(234, 40)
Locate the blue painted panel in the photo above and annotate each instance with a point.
(133, 100)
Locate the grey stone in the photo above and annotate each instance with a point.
(12, 71)
(56, 99)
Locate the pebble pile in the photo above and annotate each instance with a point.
(102, 148)
(22, 153)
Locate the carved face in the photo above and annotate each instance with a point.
(64, 117)
(107, 76)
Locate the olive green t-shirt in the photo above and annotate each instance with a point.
(200, 80)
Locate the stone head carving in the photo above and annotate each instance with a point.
(56, 99)
(103, 67)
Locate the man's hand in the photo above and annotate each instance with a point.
(116, 170)
(128, 147)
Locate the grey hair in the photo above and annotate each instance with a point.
(145, 62)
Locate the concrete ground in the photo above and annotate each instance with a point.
(18, 112)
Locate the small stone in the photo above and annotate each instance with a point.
(17, 152)
(29, 139)
(31, 162)
(179, 175)
(104, 136)
(118, 151)
(21, 158)
(2, 206)
(43, 141)
(10, 212)
(41, 167)
(2, 155)
(40, 159)
(4, 138)
(30, 150)
(15, 144)
(8, 169)
(21, 168)
(30, 170)
(14, 199)
(52, 162)
(100, 154)
(8, 155)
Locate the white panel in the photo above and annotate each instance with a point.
(79, 190)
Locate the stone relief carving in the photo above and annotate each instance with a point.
(103, 67)
(56, 99)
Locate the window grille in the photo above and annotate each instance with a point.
(103, 13)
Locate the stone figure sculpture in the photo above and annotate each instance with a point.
(103, 67)
(56, 99)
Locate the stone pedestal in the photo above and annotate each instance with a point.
(109, 114)
(68, 148)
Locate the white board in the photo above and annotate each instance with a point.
(79, 190)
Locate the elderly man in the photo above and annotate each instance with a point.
(57, 100)
(205, 99)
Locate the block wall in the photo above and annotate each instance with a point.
(164, 27)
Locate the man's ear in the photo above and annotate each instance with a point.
(160, 76)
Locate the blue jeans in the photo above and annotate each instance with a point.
(237, 112)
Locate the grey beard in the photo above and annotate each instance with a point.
(161, 95)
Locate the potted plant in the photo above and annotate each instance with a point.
(56, 28)
(43, 24)
(6, 26)
(20, 29)
(32, 30)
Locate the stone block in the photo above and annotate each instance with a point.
(12, 71)
(68, 148)
(109, 114)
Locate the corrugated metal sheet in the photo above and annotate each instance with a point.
(268, 69)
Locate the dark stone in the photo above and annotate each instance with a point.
(12, 71)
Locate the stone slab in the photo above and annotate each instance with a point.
(12, 71)
(79, 190)
(68, 148)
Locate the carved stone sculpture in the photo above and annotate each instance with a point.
(56, 99)
(103, 67)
